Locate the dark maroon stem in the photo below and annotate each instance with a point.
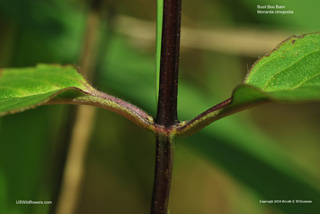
(169, 64)
(167, 104)
(163, 174)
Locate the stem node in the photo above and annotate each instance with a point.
(167, 105)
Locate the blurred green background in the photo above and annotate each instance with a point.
(268, 153)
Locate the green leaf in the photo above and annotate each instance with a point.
(22, 89)
(25, 88)
(289, 73)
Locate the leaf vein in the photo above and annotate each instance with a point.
(286, 69)
(300, 84)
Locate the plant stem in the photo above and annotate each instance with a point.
(163, 173)
(167, 104)
(169, 64)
